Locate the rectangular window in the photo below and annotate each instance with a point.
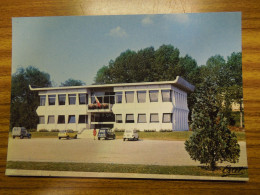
(154, 118)
(119, 118)
(167, 117)
(72, 119)
(42, 100)
(72, 99)
(61, 119)
(51, 120)
(118, 97)
(62, 99)
(129, 96)
(41, 120)
(83, 98)
(153, 94)
(166, 96)
(51, 99)
(141, 118)
(83, 118)
(141, 96)
(129, 118)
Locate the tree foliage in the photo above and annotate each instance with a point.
(211, 141)
(72, 82)
(24, 102)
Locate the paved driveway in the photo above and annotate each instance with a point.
(150, 152)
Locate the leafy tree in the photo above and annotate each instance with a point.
(211, 141)
(24, 101)
(72, 82)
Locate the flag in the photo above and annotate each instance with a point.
(98, 103)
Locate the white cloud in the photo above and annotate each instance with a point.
(117, 32)
(147, 20)
(180, 18)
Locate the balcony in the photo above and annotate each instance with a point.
(103, 107)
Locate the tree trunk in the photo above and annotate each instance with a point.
(241, 116)
(212, 166)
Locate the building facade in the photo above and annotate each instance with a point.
(152, 106)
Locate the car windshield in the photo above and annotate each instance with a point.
(128, 131)
(62, 131)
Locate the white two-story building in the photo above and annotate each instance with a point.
(142, 106)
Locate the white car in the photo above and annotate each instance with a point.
(130, 135)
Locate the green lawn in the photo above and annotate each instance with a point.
(123, 168)
(175, 135)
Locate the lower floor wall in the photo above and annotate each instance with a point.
(178, 122)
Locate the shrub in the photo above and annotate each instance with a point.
(43, 130)
(55, 130)
(165, 130)
(149, 130)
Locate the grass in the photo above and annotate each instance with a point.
(123, 168)
(174, 136)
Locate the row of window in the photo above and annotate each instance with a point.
(141, 118)
(82, 97)
(141, 96)
(129, 98)
(61, 119)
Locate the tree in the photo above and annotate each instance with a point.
(211, 141)
(24, 101)
(72, 82)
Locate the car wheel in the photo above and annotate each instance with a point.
(13, 137)
(29, 137)
(67, 137)
(75, 137)
(99, 138)
(137, 139)
(124, 139)
(21, 137)
(59, 137)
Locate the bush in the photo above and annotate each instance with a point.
(165, 130)
(55, 130)
(43, 130)
(149, 130)
(31, 130)
(119, 130)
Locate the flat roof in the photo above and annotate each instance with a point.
(179, 82)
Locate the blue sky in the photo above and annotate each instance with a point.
(77, 46)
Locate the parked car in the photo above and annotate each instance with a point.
(106, 133)
(130, 135)
(67, 134)
(20, 132)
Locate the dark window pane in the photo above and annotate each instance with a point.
(62, 99)
(72, 99)
(83, 98)
(42, 100)
(52, 99)
(72, 119)
(61, 119)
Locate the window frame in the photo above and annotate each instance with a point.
(74, 96)
(157, 95)
(157, 117)
(129, 121)
(138, 120)
(170, 118)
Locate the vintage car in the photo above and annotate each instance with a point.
(106, 133)
(130, 135)
(67, 134)
(20, 132)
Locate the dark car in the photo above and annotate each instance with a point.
(106, 133)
